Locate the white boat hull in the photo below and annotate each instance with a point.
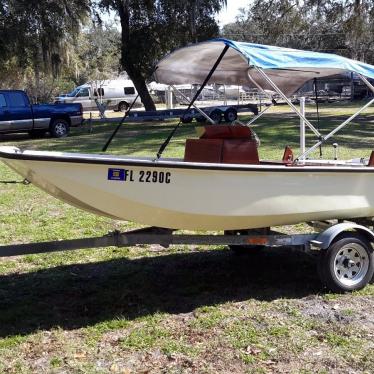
(198, 196)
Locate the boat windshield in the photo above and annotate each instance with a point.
(73, 93)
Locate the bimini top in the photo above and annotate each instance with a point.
(288, 68)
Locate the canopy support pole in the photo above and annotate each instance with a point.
(333, 132)
(266, 94)
(288, 101)
(371, 87)
(346, 122)
(195, 106)
(259, 115)
(206, 80)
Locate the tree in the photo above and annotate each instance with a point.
(97, 54)
(150, 29)
(40, 34)
(341, 26)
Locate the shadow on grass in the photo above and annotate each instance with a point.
(82, 295)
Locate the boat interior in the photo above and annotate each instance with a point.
(236, 144)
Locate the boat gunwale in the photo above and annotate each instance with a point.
(154, 163)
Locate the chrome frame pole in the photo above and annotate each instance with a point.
(288, 101)
(259, 115)
(366, 82)
(345, 123)
(196, 107)
(333, 132)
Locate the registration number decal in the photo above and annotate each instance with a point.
(141, 176)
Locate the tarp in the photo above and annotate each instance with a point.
(288, 68)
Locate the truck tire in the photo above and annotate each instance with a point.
(59, 128)
(348, 264)
(230, 115)
(123, 107)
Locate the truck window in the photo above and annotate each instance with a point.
(129, 91)
(16, 99)
(2, 101)
(83, 92)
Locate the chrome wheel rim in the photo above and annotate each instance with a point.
(351, 264)
(60, 129)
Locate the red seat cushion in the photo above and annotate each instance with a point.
(240, 151)
(371, 159)
(203, 150)
(226, 132)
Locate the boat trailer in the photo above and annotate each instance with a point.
(344, 249)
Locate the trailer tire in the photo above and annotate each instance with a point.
(216, 115)
(230, 115)
(200, 119)
(123, 107)
(186, 118)
(348, 264)
(59, 128)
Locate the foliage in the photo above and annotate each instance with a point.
(37, 37)
(150, 29)
(338, 26)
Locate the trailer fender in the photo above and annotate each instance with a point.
(325, 238)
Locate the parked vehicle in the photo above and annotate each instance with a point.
(17, 114)
(117, 94)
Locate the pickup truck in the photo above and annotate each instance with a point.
(17, 114)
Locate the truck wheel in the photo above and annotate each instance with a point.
(230, 115)
(348, 264)
(123, 106)
(59, 128)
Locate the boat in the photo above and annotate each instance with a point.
(220, 184)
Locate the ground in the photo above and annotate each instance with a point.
(184, 309)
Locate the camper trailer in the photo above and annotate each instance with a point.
(115, 94)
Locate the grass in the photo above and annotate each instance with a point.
(177, 310)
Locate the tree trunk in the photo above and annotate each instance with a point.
(130, 68)
(141, 87)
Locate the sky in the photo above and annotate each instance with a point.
(225, 16)
(228, 14)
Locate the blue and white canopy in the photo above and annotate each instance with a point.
(288, 68)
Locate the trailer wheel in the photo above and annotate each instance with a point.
(216, 115)
(230, 115)
(186, 118)
(123, 106)
(245, 249)
(348, 264)
(59, 128)
(200, 119)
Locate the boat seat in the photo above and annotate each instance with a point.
(225, 132)
(287, 155)
(203, 150)
(371, 159)
(222, 143)
(240, 151)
